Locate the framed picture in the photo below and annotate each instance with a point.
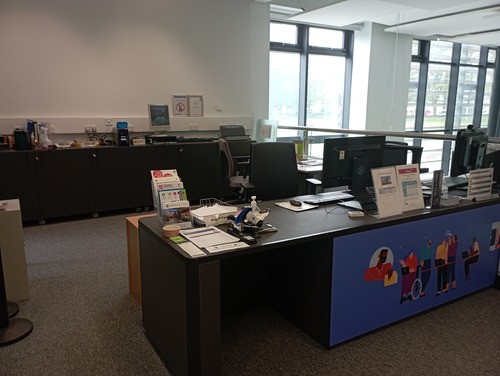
(180, 105)
(195, 105)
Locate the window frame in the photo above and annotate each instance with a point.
(303, 48)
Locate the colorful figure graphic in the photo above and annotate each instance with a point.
(426, 256)
(452, 258)
(380, 267)
(411, 286)
(473, 257)
(442, 276)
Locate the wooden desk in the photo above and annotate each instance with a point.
(13, 256)
(319, 270)
(134, 262)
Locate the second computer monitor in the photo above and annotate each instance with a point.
(347, 161)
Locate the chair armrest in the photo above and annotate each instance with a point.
(247, 185)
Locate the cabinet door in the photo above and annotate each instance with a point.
(116, 177)
(18, 180)
(65, 182)
(156, 157)
(200, 170)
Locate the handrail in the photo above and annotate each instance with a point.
(493, 140)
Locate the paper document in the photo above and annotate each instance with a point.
(480, 183)
(389, 196)
(226, 247)
(204, 237)
(411, 188)
(304, 206)
(191, 249)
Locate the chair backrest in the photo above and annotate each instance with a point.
(396, 153)
(273, 170)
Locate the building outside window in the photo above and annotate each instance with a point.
(450, 88)
(308, 80)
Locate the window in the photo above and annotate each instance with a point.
(450, 88)
(308, 77)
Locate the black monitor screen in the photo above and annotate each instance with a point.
(470, 149)
(349, 160)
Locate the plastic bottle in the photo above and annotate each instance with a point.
(253, 204)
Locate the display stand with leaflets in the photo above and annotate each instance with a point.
(170, 198)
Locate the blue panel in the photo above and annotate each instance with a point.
(362, 301)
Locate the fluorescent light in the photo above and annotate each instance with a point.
(285, 11)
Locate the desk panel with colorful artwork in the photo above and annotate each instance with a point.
(385, 275)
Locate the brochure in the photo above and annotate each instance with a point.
(410, 186)
(480, 183)
(387, 192)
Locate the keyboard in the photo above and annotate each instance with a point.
(329, 197)
(182, 139)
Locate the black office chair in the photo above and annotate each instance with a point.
(232, 167)
(273, 171)
(396, 153)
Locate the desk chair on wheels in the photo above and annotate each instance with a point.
(273, 171)
(232, 169)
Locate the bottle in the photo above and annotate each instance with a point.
(253, 204)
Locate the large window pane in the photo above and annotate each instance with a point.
(441, 51)
(284, 90)
(466, 97)
(436, 96)
(325, 91)
(469, 54)
(326, 38)
(283, 33)
(412, 97)
(487, 97)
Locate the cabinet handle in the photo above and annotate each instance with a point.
(94, 155)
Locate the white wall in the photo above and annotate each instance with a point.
(78, 62)
(380, 88)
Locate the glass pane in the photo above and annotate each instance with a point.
(415, 48)
(326, 38)
(487, 97)
(469, 54)
(436, 96)
(492, 55)
(432, 154)
(283, 33)
(325, 91)
(284, 70)
(441, 51)
(466, 97)
(412, 97)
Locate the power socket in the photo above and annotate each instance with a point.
(90, 129)
(109, 123)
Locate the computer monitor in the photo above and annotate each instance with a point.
(470, 150)
(347, 161)
(159, 119)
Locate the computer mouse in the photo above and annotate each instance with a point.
(295, 203)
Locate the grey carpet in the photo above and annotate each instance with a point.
(85, 323)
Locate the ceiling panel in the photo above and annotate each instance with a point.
(453, 25)
(430, 4)
(349, 12)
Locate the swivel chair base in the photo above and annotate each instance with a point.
(12, 308)
(17, 330)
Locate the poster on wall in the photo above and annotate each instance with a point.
(195, 105)
(179, 104)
